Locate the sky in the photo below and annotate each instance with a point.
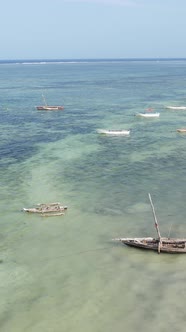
(81, 29)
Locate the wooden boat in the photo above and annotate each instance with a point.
(181, 130)
(50, 208)
(49, 108)
(114, 132)
(148, 115)
(176, 107)
(46, 107)
(169, 245)
(161, 244)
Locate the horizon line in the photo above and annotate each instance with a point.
(94, 59)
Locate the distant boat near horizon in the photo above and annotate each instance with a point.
(47, 107)
(176, 107)
(148, 114)
(115, 132)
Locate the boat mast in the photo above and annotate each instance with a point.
(156, 224)
(44, 99)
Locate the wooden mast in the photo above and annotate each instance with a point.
(44, 100)
(156, 224)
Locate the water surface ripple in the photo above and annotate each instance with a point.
(65, 273)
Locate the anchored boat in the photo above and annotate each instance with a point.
(181, 130)
(115, 132)
(148, 115)
(48, 209)
(167, 245)
(47, 107)
(160, 244)
(176, 107)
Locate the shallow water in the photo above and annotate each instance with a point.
(65, 273)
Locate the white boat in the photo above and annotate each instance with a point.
(114, 132)
(176, 107)
(181, 130)
(148, 115)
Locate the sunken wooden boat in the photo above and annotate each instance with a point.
(160, 244)
(47, 209)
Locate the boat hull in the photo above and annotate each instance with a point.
(176, 107)
(148, 115)
(50, 108)
(114, 132)
(182, 130)
(40, 211)
(47, 209)
(167, 246)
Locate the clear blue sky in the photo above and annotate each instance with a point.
(67, 29)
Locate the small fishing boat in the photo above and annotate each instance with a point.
(161, 244)
(176, 107)
(50, 208)
(47, 107)
(181, 130)
(148, 114)
(114, 132)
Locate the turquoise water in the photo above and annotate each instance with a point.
(65, 273)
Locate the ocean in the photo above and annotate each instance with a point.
(64, 273)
